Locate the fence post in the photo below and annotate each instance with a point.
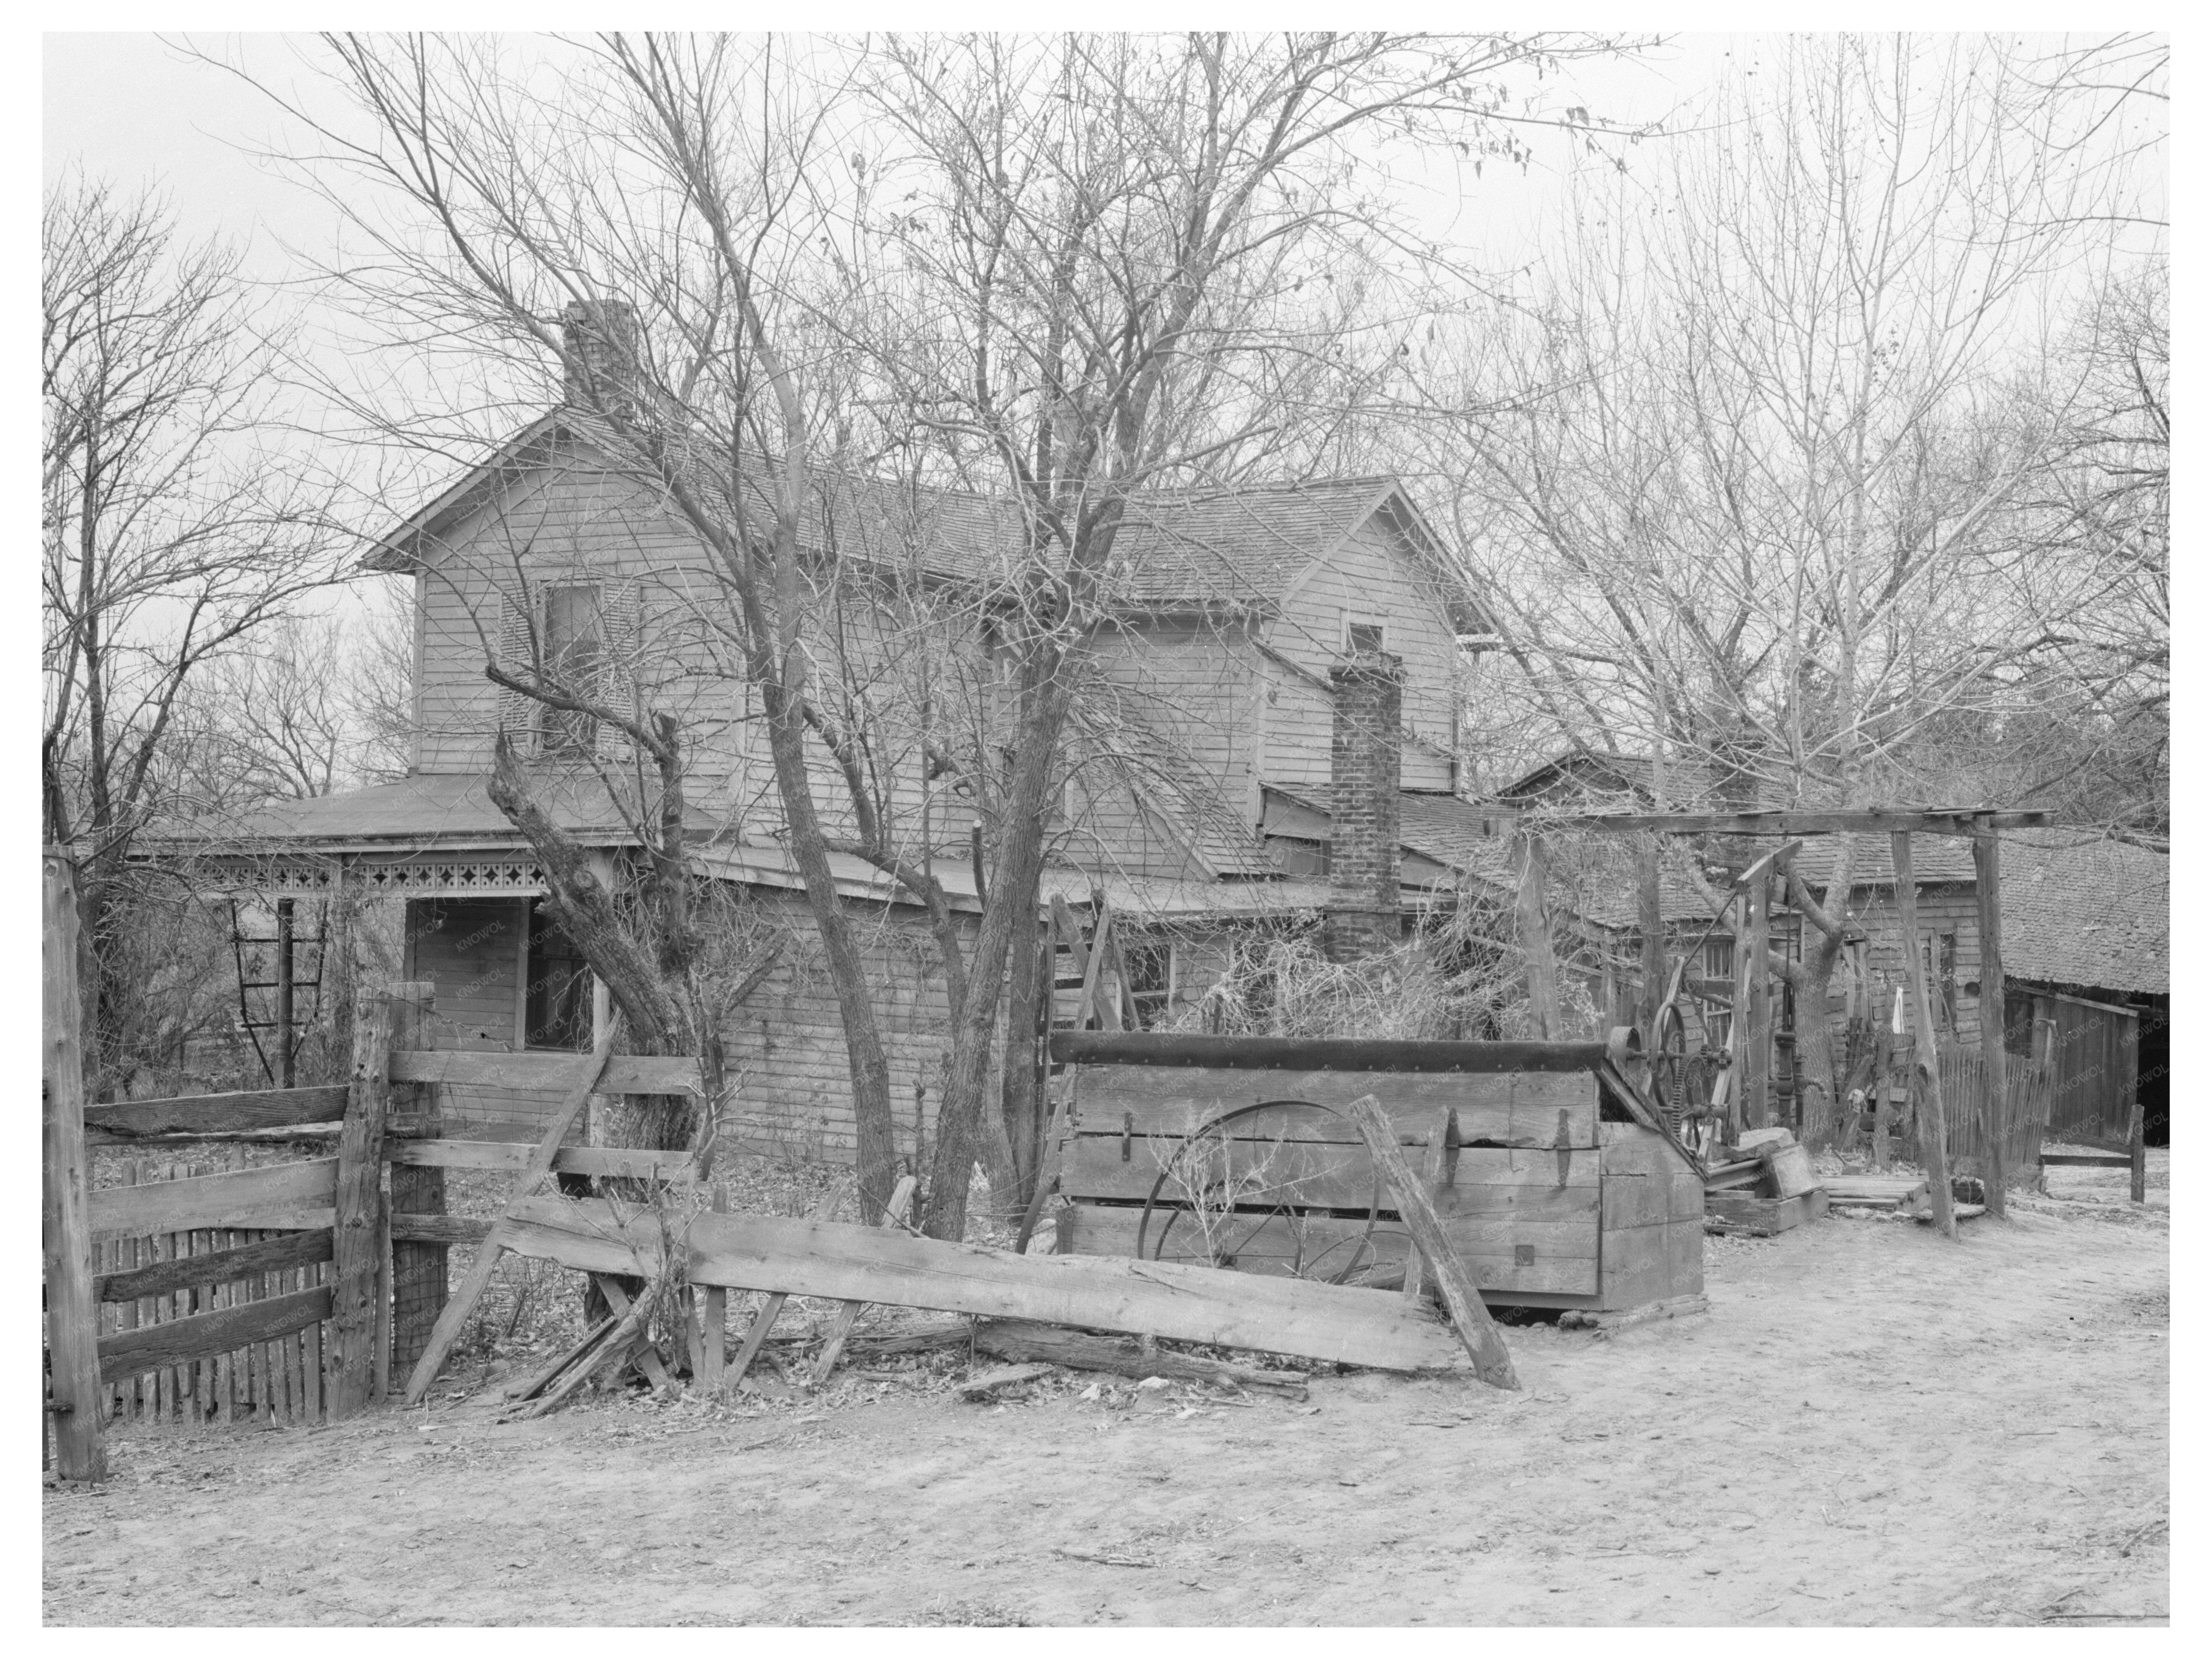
(360, 1225)
(1928, 1070)
(1992, 1015)
(72, 1316)
(418, 1270)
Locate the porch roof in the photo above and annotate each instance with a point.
(431, 808)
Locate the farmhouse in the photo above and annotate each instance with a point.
(1269, 734)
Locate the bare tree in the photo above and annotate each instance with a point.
(801, 281)
(1747, 484)
(172, 532)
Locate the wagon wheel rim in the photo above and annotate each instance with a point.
(1248, 1221)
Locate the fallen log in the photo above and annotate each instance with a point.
(1019, 1340)
(1175, 1300)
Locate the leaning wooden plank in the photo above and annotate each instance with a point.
(251, 1109)
(1455, 1284)
(202, 1336)
(525, 1387)
(448, 1330)
(583, 1075)
(825, 1259)
(615, 1346)
(840, 1324)
(214, 1200)
(625, 1074)
(197, 1272)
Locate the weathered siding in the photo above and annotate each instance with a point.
(1370, 579)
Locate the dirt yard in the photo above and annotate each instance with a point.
(1871, 1426)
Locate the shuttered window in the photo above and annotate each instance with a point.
(575, 651)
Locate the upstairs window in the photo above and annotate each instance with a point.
(1360, 636)
(575, 650)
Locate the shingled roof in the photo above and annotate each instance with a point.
(2083, 909)
(1242, 548)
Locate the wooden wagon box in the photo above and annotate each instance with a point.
(1555, 1197)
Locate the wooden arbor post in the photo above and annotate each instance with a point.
(72, 1314)
(360, 1231)
(1929, 1071)
(1994, 1094)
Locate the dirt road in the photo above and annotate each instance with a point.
(1871, 1426)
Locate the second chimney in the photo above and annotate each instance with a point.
(599, 356)
(1362, 918)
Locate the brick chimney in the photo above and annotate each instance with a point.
(600, 354)
(1362, 918)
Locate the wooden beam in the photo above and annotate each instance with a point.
(1542, 968)
(420, 1268)
(72, 1316)
(192, 1272)
(215, 1114)
(1759, 1003)
(868, 1264)
(1934, 821)
(645, 1163)
(357, 1307)
(1320, 1054)
(1991, 1014)
(1456, 1286)
(1928, 1070)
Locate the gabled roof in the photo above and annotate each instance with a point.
(1240, 548)
(2083, 909)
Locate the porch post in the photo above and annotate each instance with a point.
(72, 1316)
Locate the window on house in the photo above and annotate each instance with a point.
(1150, 965)
(574, 651)
(557, 999)
(1363, 636)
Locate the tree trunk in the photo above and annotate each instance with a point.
(1928, 1079)
(1542, 966)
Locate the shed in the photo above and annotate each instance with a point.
(1563, 1191)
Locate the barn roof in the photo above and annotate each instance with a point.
(2080, 909)
(1242, 547)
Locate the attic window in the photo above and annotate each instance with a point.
(1360, 636)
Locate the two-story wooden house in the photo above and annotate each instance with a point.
(1200, 766)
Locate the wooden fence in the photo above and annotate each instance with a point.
(267, 1289)
(1970, 1139)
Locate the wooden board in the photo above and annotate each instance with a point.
(625, 1074)
(1508, 1108)
(1317, 1175)
(203, 1336)
(1792, 1168)
(197, 1272)
(1564, 1254)
(236, 1197)
(252, 1109)
(1652, 1264)
(652, 1165)
(1763, 1218)
(438, 1229)
(869, 1264)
